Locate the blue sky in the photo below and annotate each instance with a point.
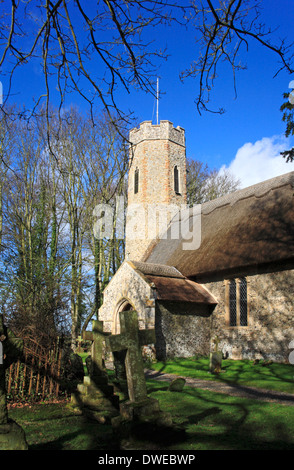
(248, 138)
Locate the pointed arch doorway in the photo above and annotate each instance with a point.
(123, 306)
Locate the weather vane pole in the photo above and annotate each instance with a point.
(157, 100)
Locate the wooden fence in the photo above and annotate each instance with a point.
(37, 376)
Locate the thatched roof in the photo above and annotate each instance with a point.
(248, 228)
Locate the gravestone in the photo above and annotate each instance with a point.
(79, 347)
(216, 356)
(95, 393)
(120, 380)
(139, 411)
(177, 384)
(130, 340)
(12, 436)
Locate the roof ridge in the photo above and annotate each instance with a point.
(257, 190)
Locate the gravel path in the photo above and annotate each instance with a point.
(228, 389)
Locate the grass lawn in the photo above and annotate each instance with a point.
(215, 421)
(273, 376)
(56, 427)
(212, 421)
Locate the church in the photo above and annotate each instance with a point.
(221, 269)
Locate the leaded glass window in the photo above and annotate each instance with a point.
(233, 303)
(237, 303)
(243, 301)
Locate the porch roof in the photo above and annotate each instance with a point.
(172, 286)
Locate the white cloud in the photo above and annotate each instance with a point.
(259, 161)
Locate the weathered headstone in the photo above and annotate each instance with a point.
(79, 341)
(130, 340)
(12, 436)
(96, 394)
(97, 337)
(216, 356)
(177, 384)
(139, 407)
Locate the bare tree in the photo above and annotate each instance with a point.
(27, 219)
(5, 147)
(204, 184)
(69, 37)
(287, 109)
(52, 268)
(93, 49)
(91, 163)
(106, 163)
(223, 30)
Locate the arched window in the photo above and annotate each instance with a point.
(136, 181)
(176, 179)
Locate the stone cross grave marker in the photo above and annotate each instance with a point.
(11, 435)
(140, 416)
(215, 363)
(131, 339)
(79, 341)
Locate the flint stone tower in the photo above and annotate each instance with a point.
(165, 300)
(156, 184)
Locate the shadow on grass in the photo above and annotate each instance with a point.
(68, 432)
(197, 418)
(263, 374)
(61, 443)
(216, 421)
(211, 421)
(64, 443)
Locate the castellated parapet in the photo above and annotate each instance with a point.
(156, 182)
(163, 131)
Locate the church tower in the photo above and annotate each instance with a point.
(156, 184)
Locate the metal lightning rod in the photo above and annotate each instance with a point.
(157, 100)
